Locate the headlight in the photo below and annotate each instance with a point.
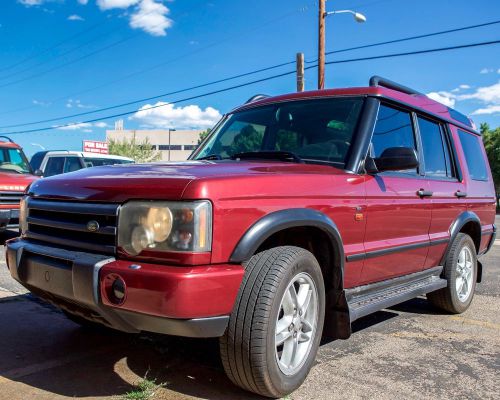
(23, 215)
(165, 226)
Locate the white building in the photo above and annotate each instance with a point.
(173, 145)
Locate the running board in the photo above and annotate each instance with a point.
(364, 300)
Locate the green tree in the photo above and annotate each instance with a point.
(140, 151)
(203, 135)
(491, 139)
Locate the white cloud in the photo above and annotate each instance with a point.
(83, 2)
(498, 71)
(40, 103)
(110, 4)
(29, 3)
(446, 98)
(75, 17)
(486, 71)
(491, 109)
(464, 87)
(169, 116)
(486, 94)
(82, 126)
(77, 104)
(150, 16)
(74, 127)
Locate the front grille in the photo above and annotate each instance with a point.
(65, 224)
(10, 197)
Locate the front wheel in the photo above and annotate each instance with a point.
(460, 270)
(275, 328)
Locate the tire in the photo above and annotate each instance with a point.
(450, 298)
(249, 355)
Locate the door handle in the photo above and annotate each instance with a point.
(425, 193)
(460, 194)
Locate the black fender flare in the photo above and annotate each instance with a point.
(337, 318)
(457, 225)
(283, 219)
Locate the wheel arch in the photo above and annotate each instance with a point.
(305, 222)
(469, 223)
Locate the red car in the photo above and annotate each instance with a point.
(296, 216)
(15, 176)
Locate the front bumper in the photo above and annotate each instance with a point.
(9, 218)
(182, 301)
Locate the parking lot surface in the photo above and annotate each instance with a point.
(407, 352)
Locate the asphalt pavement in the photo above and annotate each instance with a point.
(407, 352)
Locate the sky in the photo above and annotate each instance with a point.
(66, 57)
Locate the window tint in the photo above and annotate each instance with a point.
(13, 160)
(436, 151)
(318, 131)
(473, 156)
(72, 164)
(393, 129)
(54, 166)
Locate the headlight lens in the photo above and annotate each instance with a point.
(23, 215)
(165, 226)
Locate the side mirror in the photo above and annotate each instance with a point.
(393, 159)
(38, 172)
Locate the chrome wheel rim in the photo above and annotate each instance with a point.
(296, 324)
(465, 272)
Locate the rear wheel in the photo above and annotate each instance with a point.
(275, 328)
(460, 270)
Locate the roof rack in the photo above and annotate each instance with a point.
(387, 83)
(256, 98)
(8, 138)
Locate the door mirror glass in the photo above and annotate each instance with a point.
(393, 159)
(38, 172)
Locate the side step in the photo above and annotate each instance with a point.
(364, 300)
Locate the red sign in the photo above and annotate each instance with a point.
(91, 146)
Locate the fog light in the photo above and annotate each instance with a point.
(118, 290)
(114, 289)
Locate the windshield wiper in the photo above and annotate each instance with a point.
(268, 155)
(210, 157)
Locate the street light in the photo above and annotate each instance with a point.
(170, 130)
(358, 17)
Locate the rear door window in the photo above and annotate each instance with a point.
(72, 164)
(436, 149)
(474, 155)
(54, 166)
(394, 128)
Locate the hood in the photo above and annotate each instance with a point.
(167, 181)
(14, 182)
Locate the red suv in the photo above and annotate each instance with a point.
(15, 176)
(296, 216)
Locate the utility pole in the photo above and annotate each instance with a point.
(358, 17)
(321, 44)
(300, 72)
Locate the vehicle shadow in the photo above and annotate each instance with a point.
(43, 350)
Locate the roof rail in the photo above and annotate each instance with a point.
(387, 83)
(256, 98)
(8, 138)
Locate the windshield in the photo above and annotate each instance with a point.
(312, 130)
(13, 160)
(97, 162)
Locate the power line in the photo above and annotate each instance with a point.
(153, 97)
(245, 74)
(264, 80)
(140, 72)
(464, 28)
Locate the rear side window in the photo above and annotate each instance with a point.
(54, 166)
(436, 150)
(473, 156)
(72, 164)
(394, 128)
